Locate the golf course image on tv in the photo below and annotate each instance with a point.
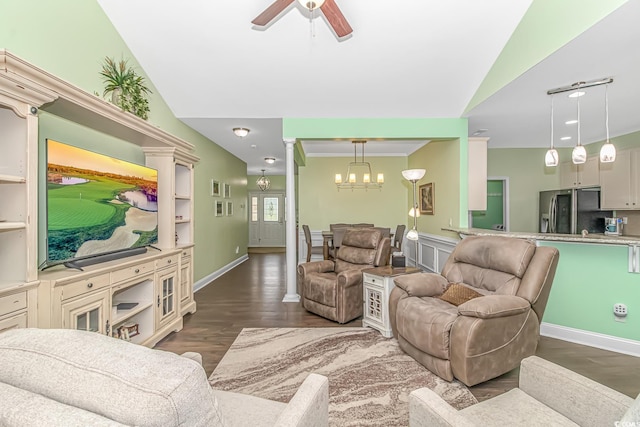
(97, 204)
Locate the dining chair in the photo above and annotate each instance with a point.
(396, 244)
(317, 250)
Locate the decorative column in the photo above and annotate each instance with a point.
(290, 208)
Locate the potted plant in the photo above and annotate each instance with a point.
(127, 88)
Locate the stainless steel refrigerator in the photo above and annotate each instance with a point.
(571, 210)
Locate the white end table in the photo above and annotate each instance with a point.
(377, 284)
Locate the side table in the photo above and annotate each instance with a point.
(377, 284)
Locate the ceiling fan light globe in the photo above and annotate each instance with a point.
(311, 4)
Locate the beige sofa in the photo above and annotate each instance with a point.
(548, 395)
(75, 378)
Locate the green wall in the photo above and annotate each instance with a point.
(494, 213)
(321, 203)
(404, 128)
(70, 38)
(443, 169)
(527, 177)
(589, 280)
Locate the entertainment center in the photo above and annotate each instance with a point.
(141, 297)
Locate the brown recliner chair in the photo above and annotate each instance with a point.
(481, 316)
(333, 288)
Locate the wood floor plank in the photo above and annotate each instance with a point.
(250, 296)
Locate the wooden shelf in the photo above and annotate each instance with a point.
(12, 179)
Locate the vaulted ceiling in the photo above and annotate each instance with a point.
(405, 58)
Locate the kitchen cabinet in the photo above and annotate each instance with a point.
(583, 175)
(619, 181)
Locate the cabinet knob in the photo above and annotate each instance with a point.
(89, 285)
(137, 270)
(168, 261)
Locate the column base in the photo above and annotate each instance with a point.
(291, 298)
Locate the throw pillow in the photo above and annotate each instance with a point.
(457, 294)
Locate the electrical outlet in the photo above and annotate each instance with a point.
(620, 312)
(237, 249)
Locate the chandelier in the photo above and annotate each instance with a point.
(263, 182)
(362, 181)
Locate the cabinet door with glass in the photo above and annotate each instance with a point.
(166, 302)
(88, 313)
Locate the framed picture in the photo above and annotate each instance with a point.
(215, 187)
(427, 198)
(229, 208)
(219, 208)
(227, 191)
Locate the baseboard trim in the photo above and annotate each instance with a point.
(213, 276)
(592, 339)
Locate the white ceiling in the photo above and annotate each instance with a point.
(406, 58)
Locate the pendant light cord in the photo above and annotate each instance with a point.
(606, 110)
(552, 122)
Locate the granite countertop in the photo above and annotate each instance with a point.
(575, 238)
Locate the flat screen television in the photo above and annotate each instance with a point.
(98, 207)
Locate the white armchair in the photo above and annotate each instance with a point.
(78, 378)
(548, 395)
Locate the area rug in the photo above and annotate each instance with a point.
(370, 378)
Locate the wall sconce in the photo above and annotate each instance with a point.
(241, 132)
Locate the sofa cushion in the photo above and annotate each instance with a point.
(125, 382)
(457, 294)
(23, 408)
(242, 410)
(514, 408)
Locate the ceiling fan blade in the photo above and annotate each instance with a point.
(271, 12)
(336, 19)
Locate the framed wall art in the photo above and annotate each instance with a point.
(227, 191)
(427, 198)
(215, 187)
(229, 208)
(219, 208)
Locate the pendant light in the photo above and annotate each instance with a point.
(263, 182)
(551, 158)
(608, 150)
(579, 153)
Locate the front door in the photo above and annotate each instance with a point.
(266, 219)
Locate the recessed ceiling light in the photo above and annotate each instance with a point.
(565, 138)
(571, 122)
(270, 160)
(241, 132)
(576, 94)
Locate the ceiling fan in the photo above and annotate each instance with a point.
(328, 7)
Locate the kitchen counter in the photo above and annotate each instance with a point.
(574, 238)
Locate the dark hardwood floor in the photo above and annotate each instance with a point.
(250, 296)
